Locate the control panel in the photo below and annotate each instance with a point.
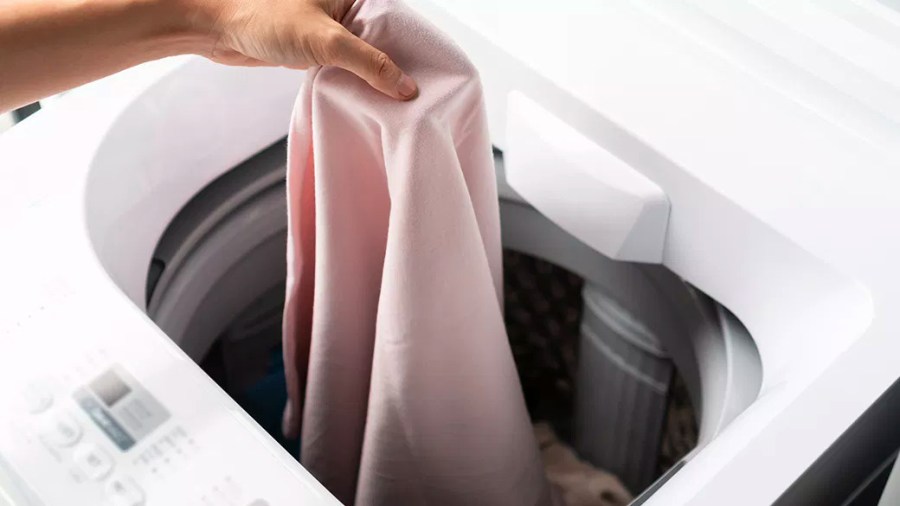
(80, 426)
(133, 423)
(91, 432)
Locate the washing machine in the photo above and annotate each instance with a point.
(696, 203)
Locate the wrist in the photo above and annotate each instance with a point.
(179, 26)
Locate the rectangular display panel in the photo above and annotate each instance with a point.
(121, 407)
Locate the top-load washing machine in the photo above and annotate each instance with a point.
(717, 179)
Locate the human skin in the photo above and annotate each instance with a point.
(48, 46)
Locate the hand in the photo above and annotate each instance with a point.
(47, 46)
(295, 34)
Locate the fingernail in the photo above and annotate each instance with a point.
(406, 87)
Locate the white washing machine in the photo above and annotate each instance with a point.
(750, 147)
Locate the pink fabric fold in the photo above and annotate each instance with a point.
(400, 376)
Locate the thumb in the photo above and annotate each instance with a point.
(373, 66)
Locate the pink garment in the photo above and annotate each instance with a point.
(393, 321)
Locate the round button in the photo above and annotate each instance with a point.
(62, 430)
(123, 491)
(37, 397)
(94, 462)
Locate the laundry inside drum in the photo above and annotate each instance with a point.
(624, 363)
(583, 385)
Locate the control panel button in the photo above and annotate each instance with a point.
(37, 397)
(95, 462)
(123, 491)
(62, 430)
(77, 474)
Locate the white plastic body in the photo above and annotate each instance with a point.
(773, 135)
(583, 188)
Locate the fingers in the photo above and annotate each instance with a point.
(376, 68)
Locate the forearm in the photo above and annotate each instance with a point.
(47, 46)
